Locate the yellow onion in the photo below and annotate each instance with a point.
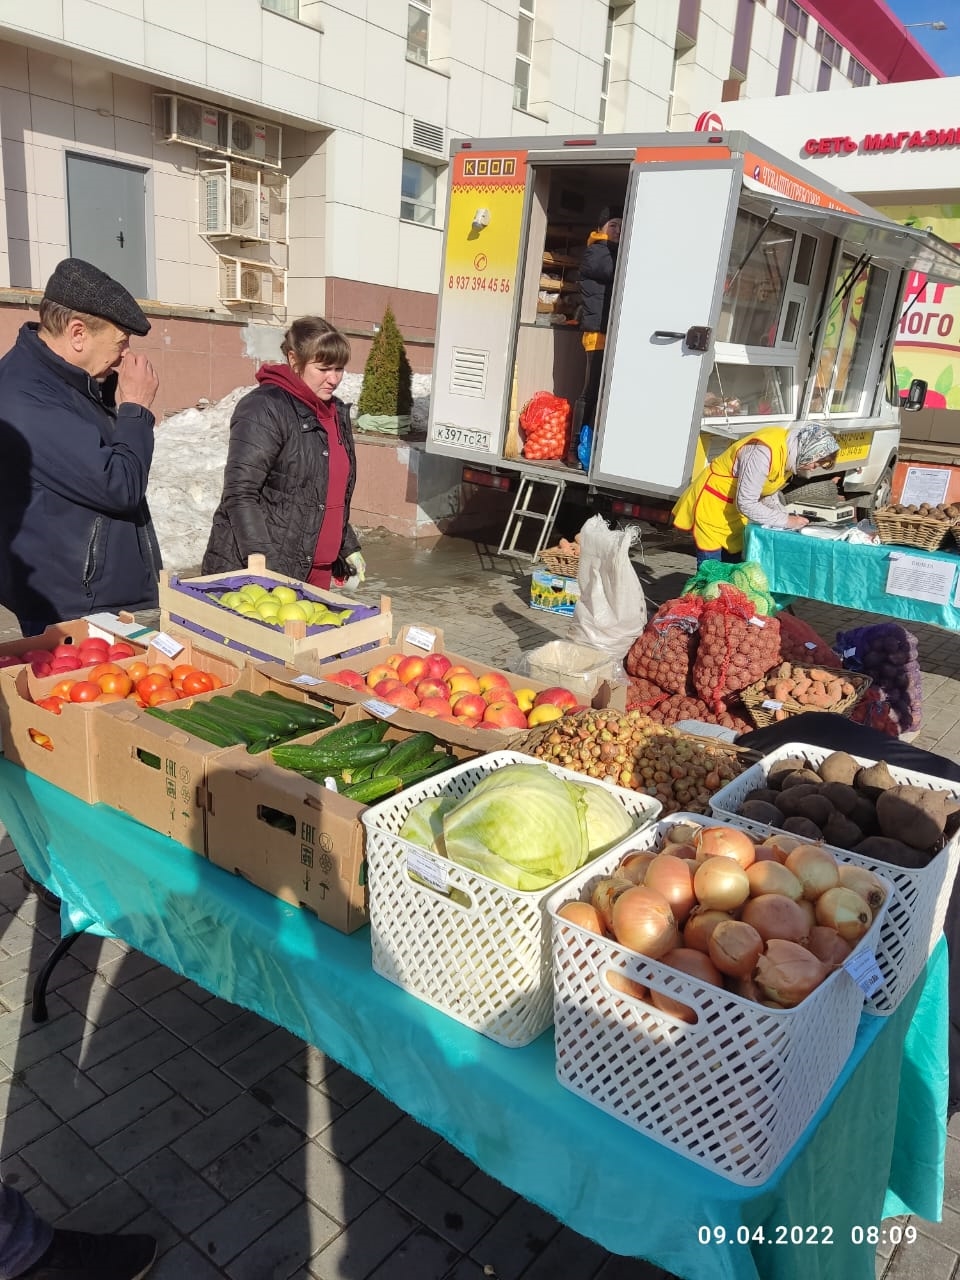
(643, 922)
(620, 982)
(673, 877)
(864, 882)
(773, 877)
(725, 842)
(827, 945)
(809, 910)
(782, 843)
(721, 884)
(694, 963)
(816, 870)
(786, 973)
(700, 924)
(605, 893)
(683, 833)
(735, 948)
(746, 988)
(769, 853)
(845, 911)
(685, 851)
(585, 915)
(633, 866)
(774, 916)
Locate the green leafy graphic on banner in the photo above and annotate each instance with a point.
(945, 381)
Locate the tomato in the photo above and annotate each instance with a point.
(85, 691)
(217, 683)
(180, 673)
(111, 697)
(62, 689)
(163, 694)
(197, 682)
(150, 684)
(104, 669)
(51, 704)
(161, 669)
(136, 671)
(41, 739)
(115, 682)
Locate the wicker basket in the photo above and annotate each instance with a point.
(558, 561)
(763, 709)
(927, 532)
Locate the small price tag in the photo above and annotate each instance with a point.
(166, 644)
(849, 653)
(809, 644)
(428, 868)
(758, 622)
(771, 704)
(863, 969)
(305, 679)
(331, 784)
(379, 708)
(421, 638)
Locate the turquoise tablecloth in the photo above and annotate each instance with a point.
(877, 1146)
(853, 575)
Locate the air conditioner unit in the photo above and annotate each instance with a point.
(254, 140)
(274, 207)
(179, 119)
(424, 139)
(255, 283)
(232, 202)
(213, 204)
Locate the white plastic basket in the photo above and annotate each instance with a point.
(915, 918)
(733, 1091)
(474, 949)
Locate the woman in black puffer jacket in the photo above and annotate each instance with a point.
(291, 466)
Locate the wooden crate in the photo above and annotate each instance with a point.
(185, 602)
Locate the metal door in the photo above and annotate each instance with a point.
(676, 246)
(106, 210)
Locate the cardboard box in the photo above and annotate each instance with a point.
(189, 603)
(928, 478)
(74, 632)
(158, 773)
(553, 592)
(289, 836)
(420, 640)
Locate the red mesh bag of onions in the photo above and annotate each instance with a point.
(736, 647)
(663, 654)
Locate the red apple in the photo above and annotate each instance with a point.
(412, 669)
(435, 707)
(471, 705)
(492, 680)
(438, 664)
(559, 697)
(394, 660)
(499, 693)
(352, 679)
(431, 689)
(467, 722)
(383, 687)
(402, 696)
(505, 715)
(380, 672)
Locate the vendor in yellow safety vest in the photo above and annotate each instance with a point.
(744, 482)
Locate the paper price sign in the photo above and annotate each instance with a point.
(305, 679)
(771, 704)
(919, 578)
(421, 638)
(166, 644)
(378, 708)
(429, 869)
(863, 969)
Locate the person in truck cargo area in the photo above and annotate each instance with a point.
(76, 437)
(291, 467)
(597, 267)
(744, 482)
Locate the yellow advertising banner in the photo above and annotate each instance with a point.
(483, 228)
(928, 341)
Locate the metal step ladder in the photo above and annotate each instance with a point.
(534, 493)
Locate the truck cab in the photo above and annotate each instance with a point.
(746, 294)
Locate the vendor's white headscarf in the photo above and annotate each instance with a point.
(814, 443)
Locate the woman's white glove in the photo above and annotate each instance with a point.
(359, 566)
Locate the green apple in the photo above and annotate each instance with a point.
(267, 608)
(292, 613)
(285, 595)
(253, 591)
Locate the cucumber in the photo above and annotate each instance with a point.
(198, 726)
(403, 752)
(332, 753)
(262, 717)
(428, 767)
(373, 789)
(307, 718)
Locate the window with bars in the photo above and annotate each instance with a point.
(792, 17)
(521, 72)
(605, 75)
(288, 8)
(418, 193)
(418, 31)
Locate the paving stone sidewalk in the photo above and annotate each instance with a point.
(145, 1103)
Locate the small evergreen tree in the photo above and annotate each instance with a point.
(387, 374)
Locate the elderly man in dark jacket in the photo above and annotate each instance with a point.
(76, 438)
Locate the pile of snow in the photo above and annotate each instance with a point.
(187, 472)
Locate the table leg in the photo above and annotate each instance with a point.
(39, 1009)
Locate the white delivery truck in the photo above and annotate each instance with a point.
(747, 293)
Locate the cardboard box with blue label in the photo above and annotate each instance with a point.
(553, 592)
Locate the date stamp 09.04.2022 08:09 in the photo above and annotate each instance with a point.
(884, 1233)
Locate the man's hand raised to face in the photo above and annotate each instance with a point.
(137, 380)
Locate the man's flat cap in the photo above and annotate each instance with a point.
(81, 286)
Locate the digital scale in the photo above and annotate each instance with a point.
(844, 512)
